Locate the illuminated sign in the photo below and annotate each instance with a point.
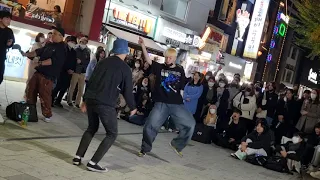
(211, 35)
(40, 16)
(130, 19)
(256, 28)
(313, 76)
(174, 34)
(284, 18)
(282, 29)
(243, 21)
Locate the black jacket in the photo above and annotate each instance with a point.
(272, 100)
(110, 77)
(297, 149)
(288, 110)
(236, 131)
(84, 56)
(313, 139)
(224, 100)
(71, 61)
(259, 141)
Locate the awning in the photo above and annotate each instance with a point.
(133, 38)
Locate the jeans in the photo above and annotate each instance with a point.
(108, 118)
(269, 121)
(182, 119)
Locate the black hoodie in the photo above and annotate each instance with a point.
(259, 141)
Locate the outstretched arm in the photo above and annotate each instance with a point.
(144, 50)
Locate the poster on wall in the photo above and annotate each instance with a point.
(15, 64)
(256, 28)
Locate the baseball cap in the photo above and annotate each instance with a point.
(120, 46)
(59, 29)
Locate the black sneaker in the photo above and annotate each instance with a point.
(58, 105)
(76, 161)
(96, 168)
(77, 106)
(70, 104)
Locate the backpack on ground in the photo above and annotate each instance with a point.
(257, 160)
(277, 163)
(203, 133)
(15, 110)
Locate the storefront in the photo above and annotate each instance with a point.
(45, 13)
(127, 22)
(310, 76)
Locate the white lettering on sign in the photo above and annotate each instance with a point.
(196, 41)
(256, 28)
(237, 66)
(243, 21)
(174, 34)
(285, 18)
(313, 76)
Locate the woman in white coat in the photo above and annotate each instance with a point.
(246, 102)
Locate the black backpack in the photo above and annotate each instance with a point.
(15, 110)
(256, 159)
(277, 163)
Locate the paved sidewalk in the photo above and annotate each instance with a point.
(44, 151)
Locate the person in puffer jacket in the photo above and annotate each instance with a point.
(245, 101)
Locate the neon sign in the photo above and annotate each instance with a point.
(282, 29)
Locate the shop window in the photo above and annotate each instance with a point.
(287, 76)
(227, 11)
(176, 8)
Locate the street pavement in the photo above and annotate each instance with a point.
(45, 150)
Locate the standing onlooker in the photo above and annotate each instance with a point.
(110, 77)
(285, 113)
(100, 55)
(39, 43)
(146, 69)
(246, 102)
(220, 100)
(52, 58)
(69, 67)
(137, 72)
(270, 103)
(6, 39)
(305, 96)
(192, 92)
(78, 77)
(209, 98)
(141, 87)
(234, 89)
(310, 112)
(49, 38)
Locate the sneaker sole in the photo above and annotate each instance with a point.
(76, 163)
(141, 155)
(95, 170)
(175, 150)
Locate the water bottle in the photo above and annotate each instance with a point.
(25, 117)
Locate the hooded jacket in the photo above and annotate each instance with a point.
(259, 141)
(247, 105)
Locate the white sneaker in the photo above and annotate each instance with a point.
(47, 120)
(163, 128)
(170, 130)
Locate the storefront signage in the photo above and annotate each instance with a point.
(15, 64)
(313, 77)
(243, 22)
(173, 42)
(256, 28)
(40, 16)
(174, 34)
(211, 35)
(196, 41)
(284, 18)
(130, 19)
(189, 39)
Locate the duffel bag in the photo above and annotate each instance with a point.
(15, 110)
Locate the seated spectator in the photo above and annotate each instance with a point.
(311, 154)
(144, 106)
(236, 130)
(211, 117)
(258, 142)
(310, 113)
(292, 149)
(141, 87)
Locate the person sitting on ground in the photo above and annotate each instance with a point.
(236, 130)
(292, 149)
(311, 154)
(141, 87)
(258, 142)
(144, 106)
(211, 117)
